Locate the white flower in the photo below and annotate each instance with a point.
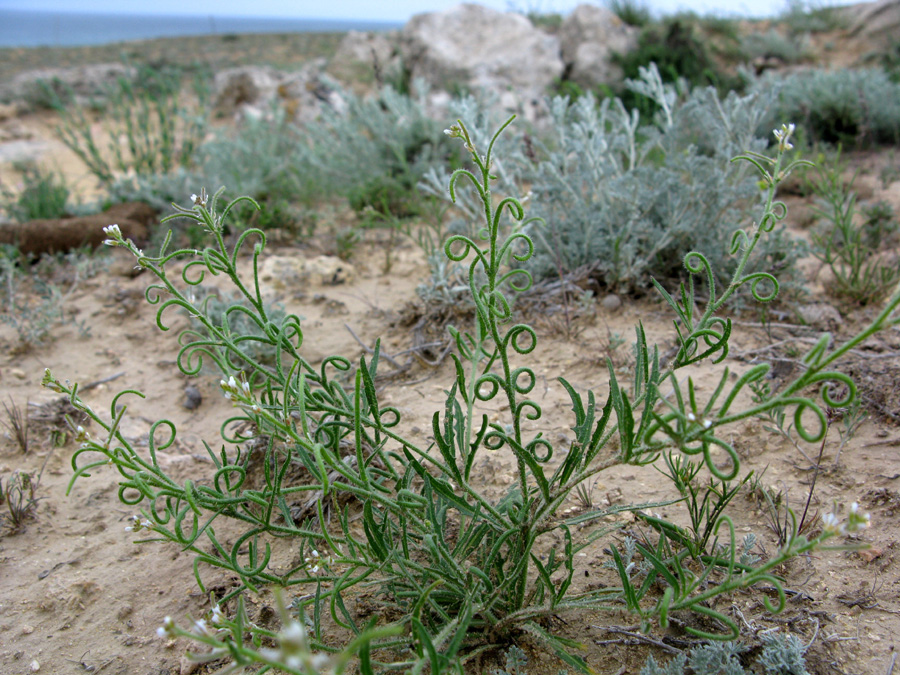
(200, 627)
(218, 617)
(707, 424)
(112, 231)
(692, 417)
(167, 630)
(831, 524)
(783, 136)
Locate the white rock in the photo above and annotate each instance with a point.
(589, 37)
(474, 47)
(292, 272)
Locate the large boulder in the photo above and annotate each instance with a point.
(590, 35)
(245, 85)
(473, 47)
(365, 59)
(876, 20)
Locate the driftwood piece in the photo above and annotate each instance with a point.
(64, 234)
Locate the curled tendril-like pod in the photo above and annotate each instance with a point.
(225, 475)
(339, 363)
(213, 261)
(160, 514)
(715, 341)
(260, 242)
(513, 240)
(739, 241)
(520, 280)
(234, 202)
(697, 263)
(513, 205)
(534, 412)
(779, 590)
(540, 442)
(177, 302)
(459, 173)
(756, 279)
(802, 406)
(153, 444)
(828, 379)
(195, 280)
(773, 216)
(499, 305)
(516, 374)
(190, 357)
(492, 381)
(137, 497)
(467, 245)
(154, 293)
(250, 571)
(514, 335)
(708, 440)
(393, 417)
(494, 439)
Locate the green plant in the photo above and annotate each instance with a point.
(43, 195)
(33, 302)
(631, 199)
(631, 12)
(19, 495)
(244, 644)
(864, 266)
(374, 151)
(773, 44)
(679, 50)
(860, 107)
(161, 133)
(461, 571)
(811, 16)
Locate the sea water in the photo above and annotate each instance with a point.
(61, 29)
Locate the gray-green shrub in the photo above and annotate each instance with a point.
(835, 106)
(633, 200)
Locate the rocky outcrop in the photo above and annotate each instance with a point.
(83, 84)
(473, 47)
(366, 59)
(251, 91)
(590, 35)
(878, 20)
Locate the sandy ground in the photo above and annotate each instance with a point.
(78, 595)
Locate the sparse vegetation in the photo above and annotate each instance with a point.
(331, 527)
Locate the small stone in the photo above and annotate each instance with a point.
(870, 554)
(35, 665)
(18, 373)
(820, 315)
(611, 303)
(192, 397)
(27, 630)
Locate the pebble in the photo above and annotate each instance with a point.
(16, 372)
(611, 303)
(27, 630)
(192, 397)
(35, 666)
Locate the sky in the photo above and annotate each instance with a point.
(380, 10)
